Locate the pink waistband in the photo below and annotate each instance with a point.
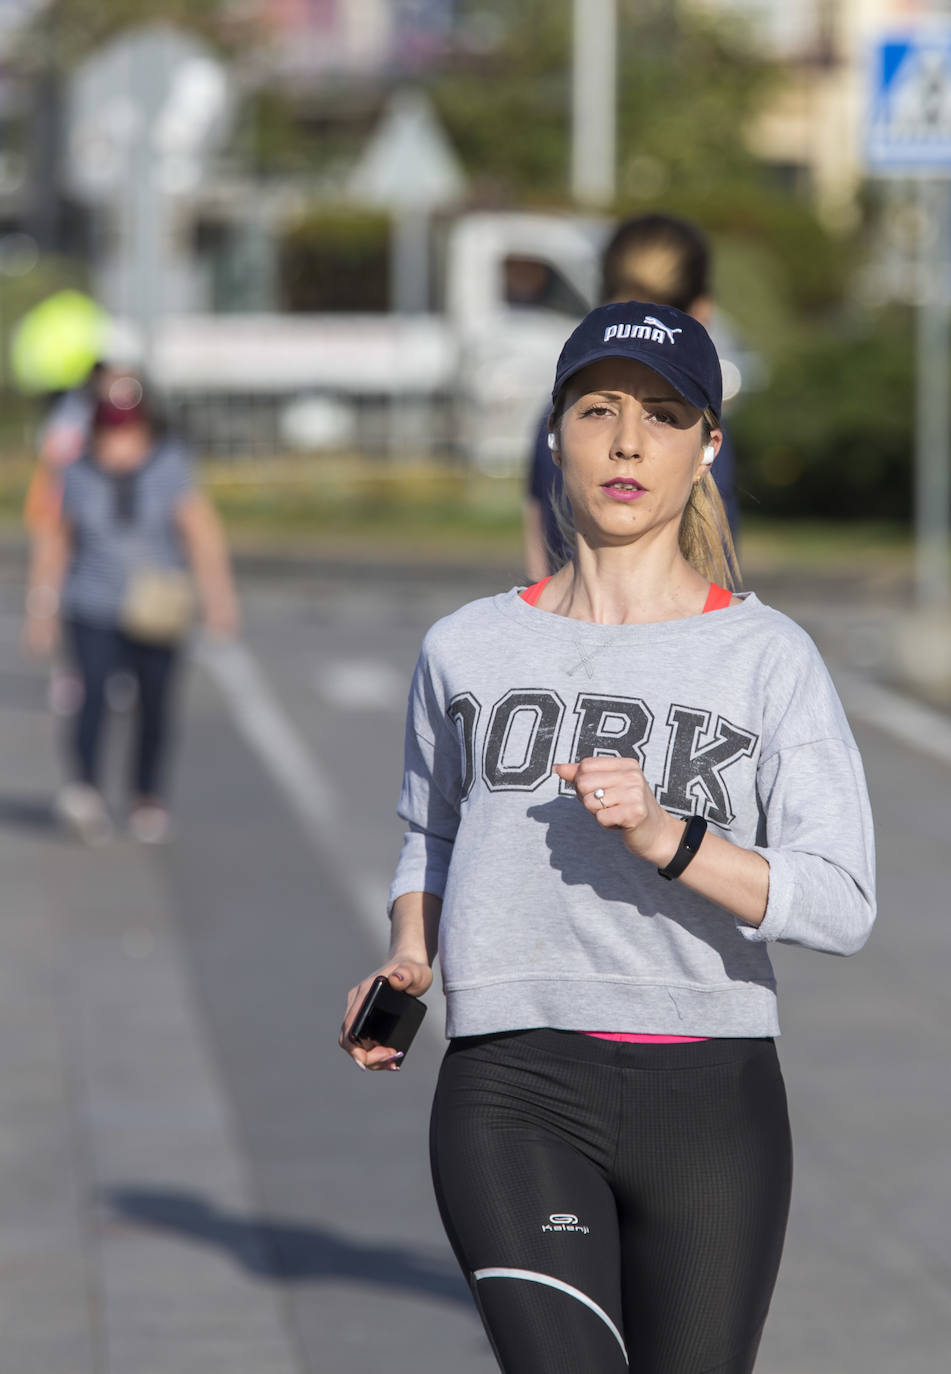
(631, 1039)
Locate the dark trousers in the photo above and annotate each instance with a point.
(614, 1206)
(99, 651)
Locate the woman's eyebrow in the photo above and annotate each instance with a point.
(652, 400)
(644, 400)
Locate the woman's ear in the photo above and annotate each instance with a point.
(708, 453)
(554, 447)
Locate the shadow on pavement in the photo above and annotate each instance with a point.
(283, 1252)
(29, 813)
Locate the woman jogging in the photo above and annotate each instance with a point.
(109, 578)
(620, 785)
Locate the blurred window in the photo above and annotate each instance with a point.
(336, 261)
(534, 284)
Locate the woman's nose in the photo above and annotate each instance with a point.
(627, 439)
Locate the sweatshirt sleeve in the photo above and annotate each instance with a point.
(817, 823)
(430, 795)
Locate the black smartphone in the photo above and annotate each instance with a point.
(387, 1017)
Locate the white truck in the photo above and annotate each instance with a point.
(472, 378)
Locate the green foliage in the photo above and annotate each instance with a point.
(688, 85)
(270, 134)
(808, 266)
(506, 110)
(685, 87)
(286, 133)
(65, 31)
(421, 508)
(831, 435)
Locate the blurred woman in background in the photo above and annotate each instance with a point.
(109, 580)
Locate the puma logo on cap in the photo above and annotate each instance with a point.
(652, 328)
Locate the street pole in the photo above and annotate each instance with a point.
(933, 399)
(594, 102)
(409, 261)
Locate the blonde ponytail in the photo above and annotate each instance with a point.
(705, 538)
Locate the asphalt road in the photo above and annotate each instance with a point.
(192, 1176)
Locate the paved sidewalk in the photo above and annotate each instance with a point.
(108, 1093)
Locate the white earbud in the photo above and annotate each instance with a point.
(552, 441)
(707, 455)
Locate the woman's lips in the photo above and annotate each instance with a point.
(619, 490)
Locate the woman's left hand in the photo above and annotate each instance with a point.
(40, 635)
(619, 797)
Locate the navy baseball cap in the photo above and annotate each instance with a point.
(674, 345)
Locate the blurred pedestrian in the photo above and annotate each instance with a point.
(62, 438)
(657, 258)
(610, 1140)
(109, 581)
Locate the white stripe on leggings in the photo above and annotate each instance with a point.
(549, 1282)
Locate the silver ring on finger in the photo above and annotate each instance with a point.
(599, 793)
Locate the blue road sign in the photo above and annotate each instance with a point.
(908, 127)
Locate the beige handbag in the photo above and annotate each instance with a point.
(158, 606)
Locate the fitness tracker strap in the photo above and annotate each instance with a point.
(694, 832)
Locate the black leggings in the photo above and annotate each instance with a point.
(614, 1206)
(99, 651)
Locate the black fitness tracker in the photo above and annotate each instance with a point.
(694, 832)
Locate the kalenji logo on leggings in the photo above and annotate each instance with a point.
(564, 1221)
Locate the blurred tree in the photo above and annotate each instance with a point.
(687, 84)
(831, 434)
(65, 31)
(504, 98)
(809, 266)
(318, 132)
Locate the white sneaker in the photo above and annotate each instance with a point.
(149, 824)
(82, 809)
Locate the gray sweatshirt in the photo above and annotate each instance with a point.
(547, 919)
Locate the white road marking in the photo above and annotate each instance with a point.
(291, 763)
(267, 729)
(361, 685)
(910, 722)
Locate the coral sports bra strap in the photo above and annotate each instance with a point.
(718, 598)
(531, 594)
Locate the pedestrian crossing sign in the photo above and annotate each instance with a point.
(908, 128)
